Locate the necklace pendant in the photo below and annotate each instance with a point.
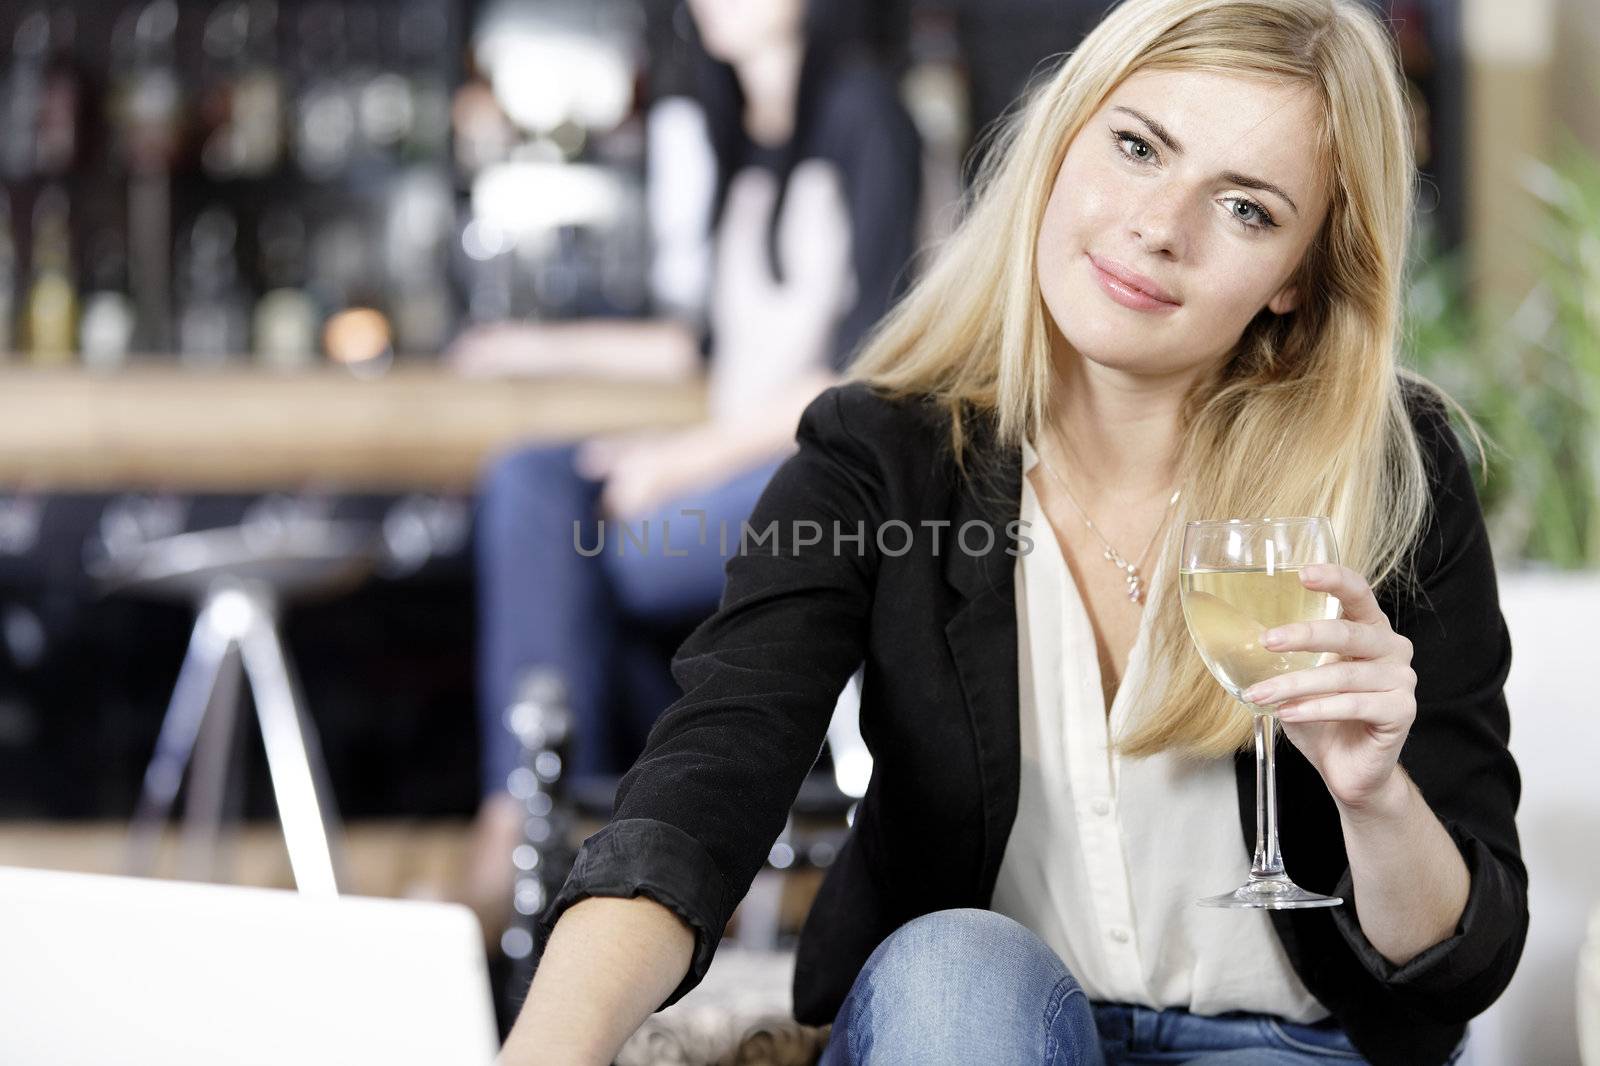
(1136, 588)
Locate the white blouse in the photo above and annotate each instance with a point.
(1107, 855)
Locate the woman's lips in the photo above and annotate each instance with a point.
(1124, 293)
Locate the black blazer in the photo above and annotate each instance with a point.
(937, 630)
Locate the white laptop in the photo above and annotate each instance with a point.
(99, 970)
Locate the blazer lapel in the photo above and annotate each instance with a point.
(982, 636)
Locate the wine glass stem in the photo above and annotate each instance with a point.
(1268, 862)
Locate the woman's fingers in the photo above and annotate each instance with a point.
(1342, 636)
(1384, 711)
(595, 458)
(1348, 587)
(1343, 676)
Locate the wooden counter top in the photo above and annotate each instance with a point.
(251, 430)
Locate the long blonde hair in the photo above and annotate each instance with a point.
(1318, 390)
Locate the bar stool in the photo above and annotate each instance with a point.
(240, 577)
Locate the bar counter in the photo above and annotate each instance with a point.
(416, 428)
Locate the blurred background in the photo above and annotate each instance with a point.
(280, 280)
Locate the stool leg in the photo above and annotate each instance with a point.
(212, 774)
(197, 678)
(294, 759)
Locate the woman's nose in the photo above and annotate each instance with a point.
(1159, 223)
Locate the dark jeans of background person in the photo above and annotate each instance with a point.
(609, 622)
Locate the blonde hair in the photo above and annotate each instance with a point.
(1319, 390)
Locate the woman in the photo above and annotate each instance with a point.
(813, 218)
(1007, 895)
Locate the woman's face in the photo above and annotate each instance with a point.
(733, 30)
(1203, 187)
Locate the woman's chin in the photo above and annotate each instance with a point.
(1118, 354)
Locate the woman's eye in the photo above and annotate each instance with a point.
(1142, 150)
(1254, 216)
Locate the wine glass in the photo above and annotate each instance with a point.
(1238, 578)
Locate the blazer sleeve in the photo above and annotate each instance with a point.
(698, 812)
(1457, 749)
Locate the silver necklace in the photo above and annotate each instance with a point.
(1136, 585)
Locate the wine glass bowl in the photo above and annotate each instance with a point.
(1237, 579)
(1241, 578)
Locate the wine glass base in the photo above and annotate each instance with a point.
(1270, 894)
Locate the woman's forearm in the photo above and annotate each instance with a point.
(609, 963)
(1410, 881)
(629, 348)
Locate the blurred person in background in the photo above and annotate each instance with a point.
(803, 239)
(1008, 42)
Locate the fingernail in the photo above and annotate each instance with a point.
(1274, 637)
(1256, 694)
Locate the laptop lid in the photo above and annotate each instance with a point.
(97, 970)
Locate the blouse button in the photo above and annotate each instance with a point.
(1102, 806)
(1120, 935)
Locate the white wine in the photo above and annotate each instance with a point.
(1230, 611)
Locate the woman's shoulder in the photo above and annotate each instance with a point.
(1427, 405)
(901, 439)
(871, 415)
(1449, 471)
(1455, 531)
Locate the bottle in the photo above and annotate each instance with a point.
(325, 133)
(421, 27)
(147, 95)
(241, 100)
(483, 134)
(417, 229)
(146, 113)
(212, 324)
(542, 723)
(60, 100)
(258, 95)
(105, 332)
(8, 280)
(382, 94)
(284, 325)
(52, 299)
(24, 90)
(222, 66)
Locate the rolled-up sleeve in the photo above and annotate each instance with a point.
(1457, 751)
(698, 812)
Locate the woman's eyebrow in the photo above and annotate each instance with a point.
(1165, 137)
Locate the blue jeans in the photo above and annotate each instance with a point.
(973, 986)
(608, 621)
